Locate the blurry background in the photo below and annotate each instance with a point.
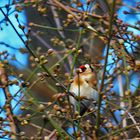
(38, 23)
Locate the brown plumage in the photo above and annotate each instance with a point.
(83, 85)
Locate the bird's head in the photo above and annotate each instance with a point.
(86, 68)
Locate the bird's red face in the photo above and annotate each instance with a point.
(83, 68)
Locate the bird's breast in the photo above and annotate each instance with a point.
(83, 89)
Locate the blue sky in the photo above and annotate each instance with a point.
(8, 36)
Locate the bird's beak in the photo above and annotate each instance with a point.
(79, 70)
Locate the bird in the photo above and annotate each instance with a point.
(83, 87)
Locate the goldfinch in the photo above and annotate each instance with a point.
(83, 86)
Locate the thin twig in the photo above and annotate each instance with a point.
(118, 131)
(134, 121)
(9, 111)
(57, 20)
(105, 64)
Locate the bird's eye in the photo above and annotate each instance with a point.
(83, 68)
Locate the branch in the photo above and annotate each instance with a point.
(105, 64)
(8, 108)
